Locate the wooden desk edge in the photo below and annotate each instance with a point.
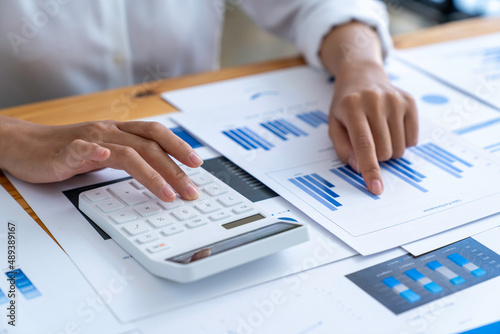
(144, 100)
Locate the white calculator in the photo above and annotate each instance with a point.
(185, 241)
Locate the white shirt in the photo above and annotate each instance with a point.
(56, 48)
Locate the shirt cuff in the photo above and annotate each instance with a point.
(320, 21)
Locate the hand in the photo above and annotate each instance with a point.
(370, 120)
(38, 153)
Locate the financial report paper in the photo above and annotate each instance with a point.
(471, 64)
(280, 137)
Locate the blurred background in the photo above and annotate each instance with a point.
(243, 42)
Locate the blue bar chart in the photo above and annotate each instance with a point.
(313, 118)
(406, 282)
(23, 284)
(282, 129)
(355, 179)
(442, 159)
(318, 188)
(248, 139)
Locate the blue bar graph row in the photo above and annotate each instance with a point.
(282, 128)
(248, 139)
(493, 148)
(401, 169)
(478, 126)
(314, 118)
(441, 158)
(355, 179)
(318, 188)
(23, 284)
(401, 289)
(460, 261)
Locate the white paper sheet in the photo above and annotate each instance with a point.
(144, 294)
(323, 300)
(274, 139)
(472, 64)
(53, 297)
(436, 102)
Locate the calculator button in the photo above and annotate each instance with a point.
(148, 237)
(177, 202)
(148, 209)
(110, 205)
(229, 200)
(242, 208)
(122, 217)
(158, 247)
(184, 213)
(160, 220)
(196, 223)
(190, 171)
(137, 185)
(207, 206)
(215, 189)
(150, 194)
(136, 228)
(171, 230)
(201, 180)
(127, 193)
(97, 195)
(220, 215)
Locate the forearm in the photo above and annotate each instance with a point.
(351, 45)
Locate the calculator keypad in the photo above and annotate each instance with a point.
(152, 223)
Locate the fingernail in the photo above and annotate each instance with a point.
(377, 187)
(168, 192)
(195, 159)
(101, 150)
(192, 191)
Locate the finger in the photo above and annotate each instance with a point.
(411, 122)
(126, 158)
(155, 156)
(340, 139)
(364, 150)
(397, 111)
(381, 137)
(79, 152)
(168, 140)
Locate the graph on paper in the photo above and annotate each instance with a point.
(485, 135)
(439, 184)
(407, 282)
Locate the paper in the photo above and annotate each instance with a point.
(471, 64)
(49, 294)
(282, 140)
(326, 300)
(437, 102)
(100, 258)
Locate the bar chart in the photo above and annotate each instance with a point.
(248, 139)
(485, 134)
(406, 282)
(23, 284)
(313, 118)
(282, 128)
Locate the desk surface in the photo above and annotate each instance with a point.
(144, 100)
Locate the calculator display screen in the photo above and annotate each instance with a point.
(231, 243)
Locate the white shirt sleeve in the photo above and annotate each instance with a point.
(306, 23)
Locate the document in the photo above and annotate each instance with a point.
(282, 140)
(143, 295)
(471, 64)
(41, 290)
(450, 290)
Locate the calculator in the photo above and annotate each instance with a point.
(185, 241)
